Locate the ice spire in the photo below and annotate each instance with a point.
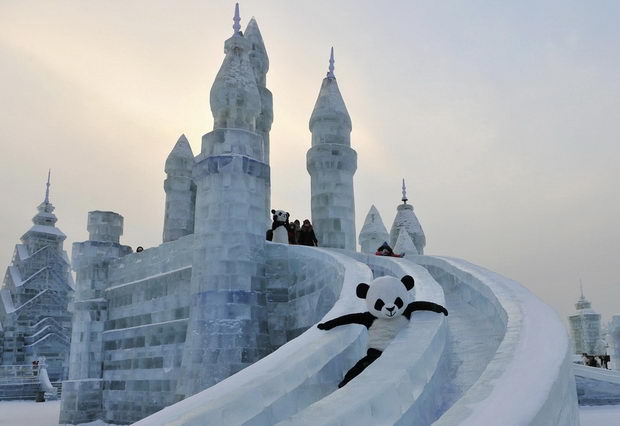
(236, 20)
(47, 189)
(234, 98)
(181, 158)
(404, 199)
(258, 52)
(330, 73)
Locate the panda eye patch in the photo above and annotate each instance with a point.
(399, 302)
(379, 304)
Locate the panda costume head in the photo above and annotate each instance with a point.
(279, 216)
(387, 297)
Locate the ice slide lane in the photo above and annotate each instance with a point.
(487, 361)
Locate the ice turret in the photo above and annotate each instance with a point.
(82, 395)
(373, 233)
(332, 163)
(407, 220)
(180, 192)
(235, 100)
(404, 244)
(260, 65)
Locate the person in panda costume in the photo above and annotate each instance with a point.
(387, 314)
(279, 226)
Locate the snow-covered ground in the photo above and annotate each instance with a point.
(30, 413)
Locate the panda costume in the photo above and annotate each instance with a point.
(387, 314)
(279, 227)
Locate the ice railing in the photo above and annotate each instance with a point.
(595, 373)
(529, 381)
(298, 373)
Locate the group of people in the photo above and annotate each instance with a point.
(301, 234)
(599, 361)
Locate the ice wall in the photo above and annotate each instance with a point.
(597, 386)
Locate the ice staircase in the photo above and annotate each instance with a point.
(500, 357)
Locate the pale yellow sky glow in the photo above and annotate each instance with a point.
(502, 118)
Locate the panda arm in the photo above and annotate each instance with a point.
(365, 319)
(424, 306)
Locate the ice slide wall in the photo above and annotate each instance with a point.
(417, 380)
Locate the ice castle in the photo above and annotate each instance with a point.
(217, 325)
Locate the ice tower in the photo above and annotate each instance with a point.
(332, 163)
(180, 192)
(586, 328)
(407, 220)
(82, 396)
(227, 328)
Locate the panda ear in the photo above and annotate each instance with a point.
(273, 211)
(362, 290)
(408, 281)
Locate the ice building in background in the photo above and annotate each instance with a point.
(585, 326)
(406, 220)
(613, 338)
(34, 317)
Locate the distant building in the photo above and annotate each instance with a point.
(613, 338)
(586, 328)
(34, 320)
(406, 220)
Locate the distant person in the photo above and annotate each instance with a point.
(306, 235)
(297, 226)
(293, 232)
(386, 250)
(584, 358)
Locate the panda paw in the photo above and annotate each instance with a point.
(322, 326)
(444, 311)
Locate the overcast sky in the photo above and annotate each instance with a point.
(503, 117)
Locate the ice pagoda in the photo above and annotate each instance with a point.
(34, 320)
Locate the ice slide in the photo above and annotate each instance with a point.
(501, 354)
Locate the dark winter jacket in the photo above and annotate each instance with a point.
(307, 237)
